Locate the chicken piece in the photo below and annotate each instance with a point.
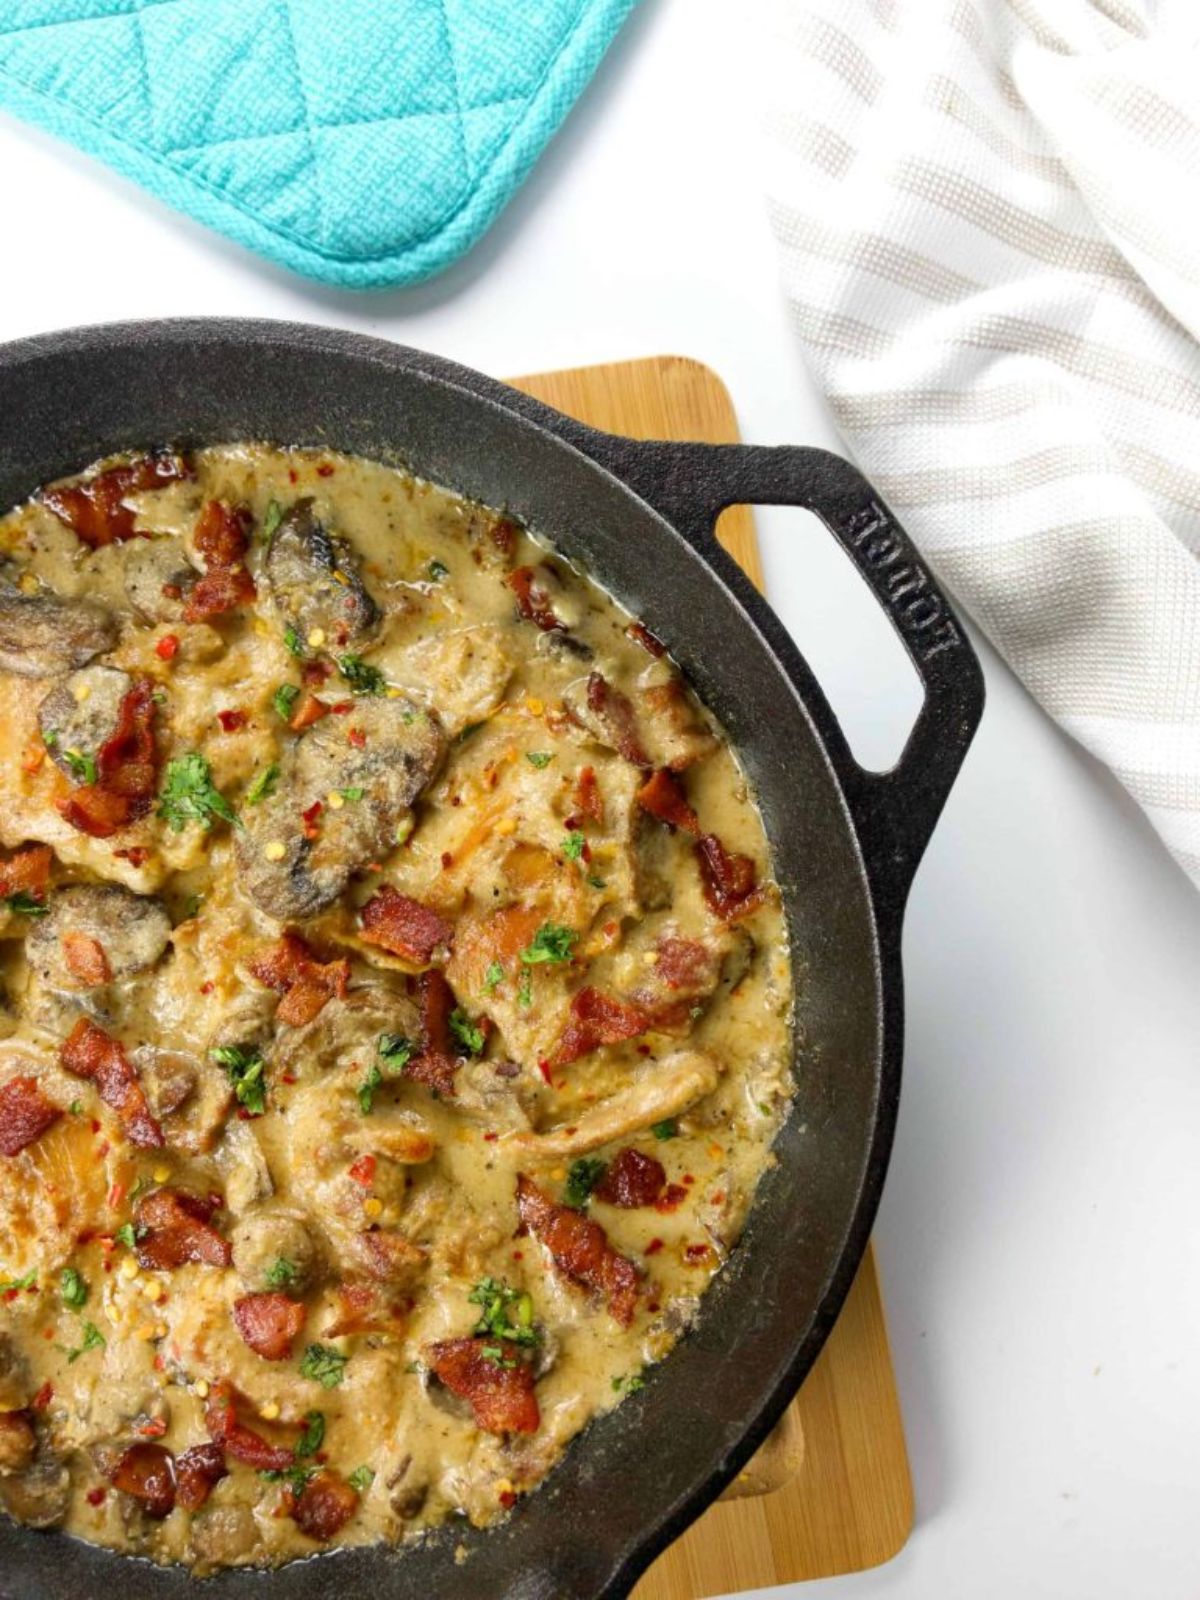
(132, 930)
(42, 634)
(315, 581)
(158, 576)
(384, 753)
(666, 1089)
(55, 1191)
(80, 714)
(273, 1248)
(465, 673)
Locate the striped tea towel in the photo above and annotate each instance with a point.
(989, 216)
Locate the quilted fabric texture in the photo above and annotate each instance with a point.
(366, 143)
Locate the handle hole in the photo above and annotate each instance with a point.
(852, 648)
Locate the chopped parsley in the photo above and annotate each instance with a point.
(313, 1437)
(76, 1108)
(471, 727)
(353, 793)
(83, 767)
(323, 1365)
(361, 1479)
(469, 1034)
(263, 785)
(492, 977)
(24, 904)
(281, 1273)
(395, 1051)
(595, 881)
(437, 570)
(629, 1382)
(247, 1074)
(582, 1178)
(284, 699)
(525, 992)
(573, 845)
(50, 738)
(667, 1129)
(189, 795)
(126, 1236)
(271, 521)
(29, 1281)
(73, 1289)
(367, 1088)
(539, 758)
(362, 677)
(93, 1339)
(551, 942)
(504, 1313)
(296, 1476)
(293, 643)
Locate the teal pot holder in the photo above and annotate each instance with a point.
(366, 143)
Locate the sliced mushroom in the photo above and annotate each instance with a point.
(378, 760)
(18, 1441)
(132, 929)
(168, 1077)
(15, 1383)
(225, 1536)
(43, 634)
(79, 715)
(666, 1090)
(240, 1159)
(268, 1236)
(315, 581)
(40, 1495)
(157, 578)
(346, 1032)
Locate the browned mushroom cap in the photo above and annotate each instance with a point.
(42, 634)
(315, 581)
(79, 715)
(274, 1249)
(157, 578)
(131, 929)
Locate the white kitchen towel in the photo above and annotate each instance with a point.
(989, 216)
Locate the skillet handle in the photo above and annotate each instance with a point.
(691, 484)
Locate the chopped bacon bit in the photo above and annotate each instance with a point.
(580, 1249)
(342, 708)
(501, 1396)
(89, 1052)
(96, 511)
(269, 1322)
(363, 1171)
(85, 958)
(147, 1472)
(437, 1063)
(167, 647)
(598, 1019)
(614, 712)
(27, 871)
(663, 796)
(25, 1114)
(389, 1257)
(326, 469)
(325, 1504)
(589, 802)
(648, 641)
(696, 1254)
(238, 1441)
(653, 1247)
(728, 880)
(532, 600)
(152, 1428)
(309, 710)
(632, 1180)
(503, 534)
(126, 771)
(314, 673)
(231, 721)
(364, 1308)
(291, 968)
(222, 538)
(197, 1471)
(172, 591)
(174, 1227)
(404, 926)
(687, 964)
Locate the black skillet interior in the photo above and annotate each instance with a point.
(639, 517)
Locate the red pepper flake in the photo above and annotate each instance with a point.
(342, 708)
(653, 1247)
(137, 855)
(653, 1306)
(363, 1171)
(687, 1178)
(43, 1397)
(160, 1364)
(96, 1497)
(649, 641)
(152, 1428)
(95, 1126)
(447, 860)
(167, 647)
(491, 1137)
(293, 476)
(326, 470)
(357, 738)
(314, 673)
(672, 1196)
(507, 1498)
(518, 1255)
(288, 1077)
(102, 1150)
(207, 986)
(544, 1069)
(697, 1253)
(115, 1195)
(172, 591)
(231, 721)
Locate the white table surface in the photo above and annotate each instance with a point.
(1038, 1238)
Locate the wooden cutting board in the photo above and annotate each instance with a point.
(830, 1491)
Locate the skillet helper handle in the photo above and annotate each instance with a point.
(691, 484)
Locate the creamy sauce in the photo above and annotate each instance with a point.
(449, 762)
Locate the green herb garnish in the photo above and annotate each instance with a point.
(367, 1088)
(313, 1437)
(281, 1273)
(29, 1281)
(573, 845)
(293, 643)
(362, 677)
(504, 1313)
(492, 977)
(539, 758)
(667, 1129)
(353, 793)
(469, 1034)
(323, 1365)
(630, 1382)
(582, 1178)
(76, 1108)
(24, 904)
(284, 699)
(247, 1074)
(395, 1051)
(189, 795)
(525, 992)
(551, 942)
(73, 1289)
(271, 521)
(82, 765)
(126, 1236)
(361, 1479)
(263, 785)
(93, 1339)
(437, 570)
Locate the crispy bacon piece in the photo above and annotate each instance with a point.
(532, 600)
(96, 510)
(501, 1396)
(174, 1227)
(85, 958)
(126, 771)
(222, 538)
(597, 1019)
(503, 534)
(650, 642)
(291, 968)
(589, 802)
(268, 1323)
(389, 1257)
(197, 1472)
(310, 709)
(438, 1062)
(237, 1440)
(324, 1506)
(89, 1052)
(25, 1114)
(632, 1180)
(687, 965)
(366, 1308)
(728, 880)
(27, 871)
(580, 1249)
(663, 796)
(403, 926)
(147, 1472)
(614, 712)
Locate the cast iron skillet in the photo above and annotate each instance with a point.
(846, 843)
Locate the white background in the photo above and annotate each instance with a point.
(1039, 1234)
